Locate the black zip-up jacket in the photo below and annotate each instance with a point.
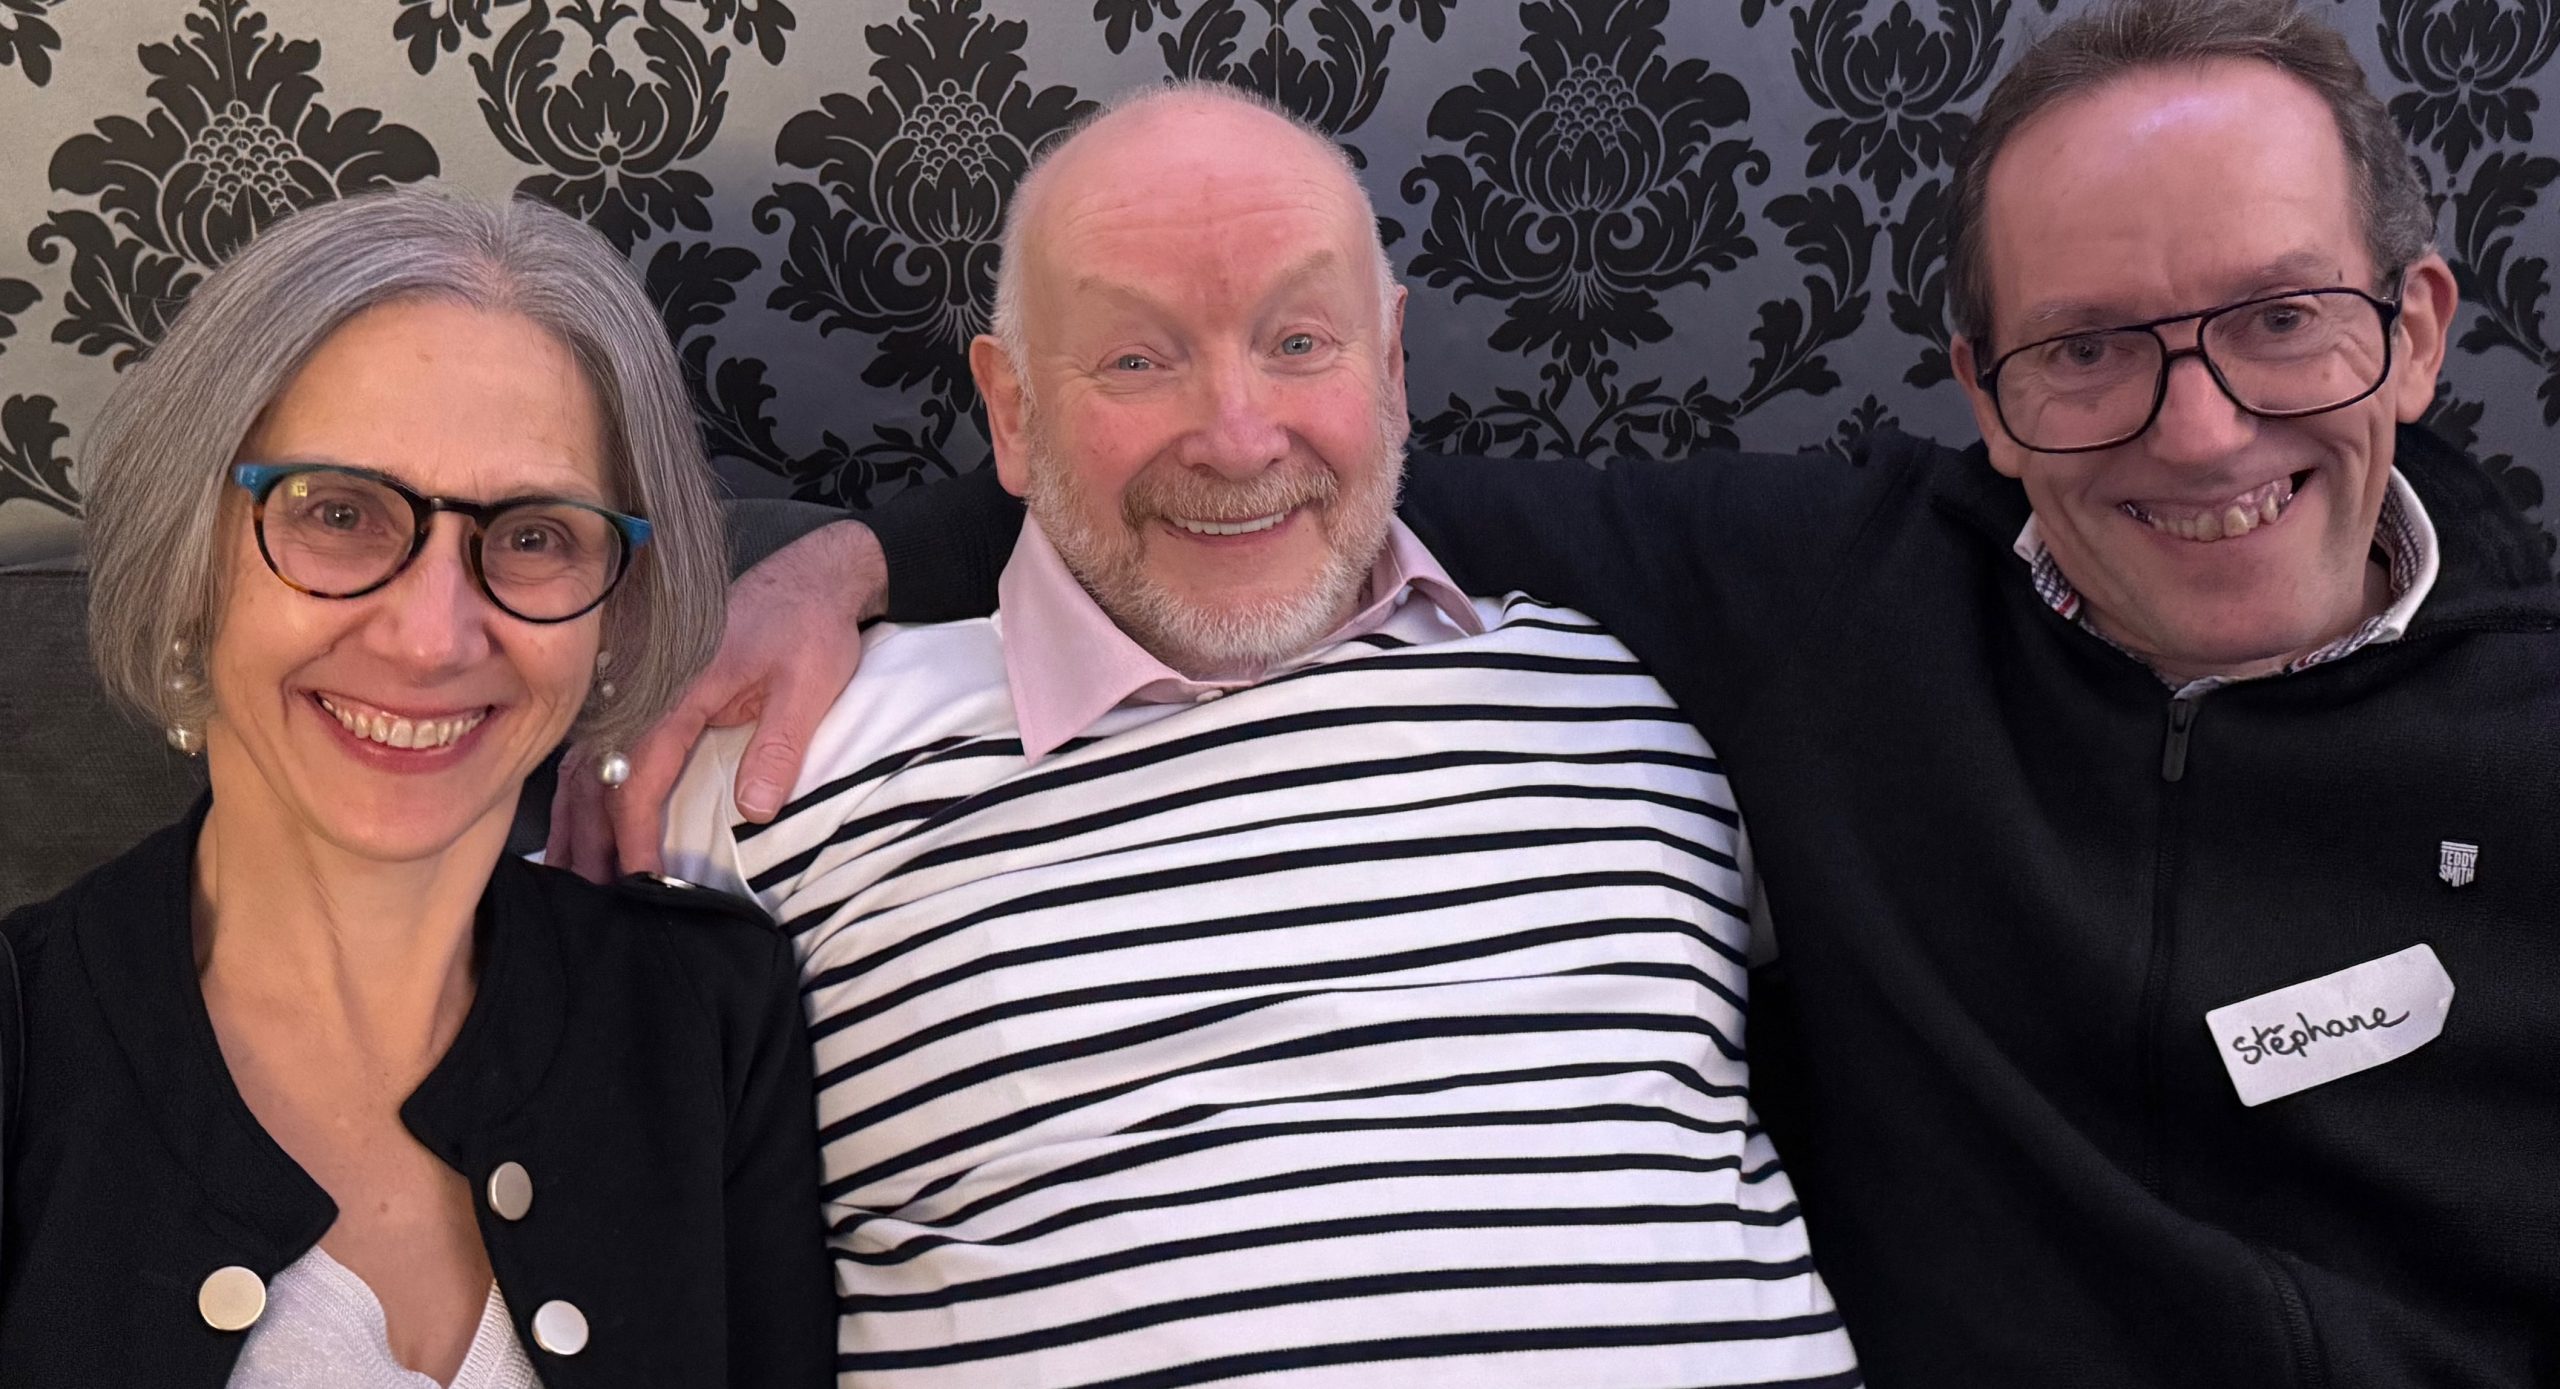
(638, 1050)
(2010, 878)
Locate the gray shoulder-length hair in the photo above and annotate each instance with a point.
(160, 451)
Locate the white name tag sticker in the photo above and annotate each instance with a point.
(2313, 1032)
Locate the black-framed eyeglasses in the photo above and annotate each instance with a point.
(2278, 356)
(336, 532)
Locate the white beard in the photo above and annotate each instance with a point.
(1228, 640)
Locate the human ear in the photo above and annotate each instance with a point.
(1000, 386)
(1394, 345)
(2428, 297)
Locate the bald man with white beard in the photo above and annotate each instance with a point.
(1247, 957)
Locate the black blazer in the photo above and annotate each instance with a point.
(638, 1050)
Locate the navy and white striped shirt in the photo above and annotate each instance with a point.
(1379, 1024)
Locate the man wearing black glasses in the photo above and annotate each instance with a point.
(2155, 800)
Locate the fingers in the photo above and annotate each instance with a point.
(581, 839)
(795, 702)
(792, 641)
(638, 806)
(555, 848)
(768, 772)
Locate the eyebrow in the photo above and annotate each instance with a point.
(1306, 268)
(315, 460)
(2295, 268)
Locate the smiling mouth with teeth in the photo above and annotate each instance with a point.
(1258, 523)
(2226, 520)
(392, 731)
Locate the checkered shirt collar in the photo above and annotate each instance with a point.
(2405, 534)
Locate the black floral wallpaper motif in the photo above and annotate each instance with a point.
(1629, 226)
(892, 213)
(26, 40)
(235, 138)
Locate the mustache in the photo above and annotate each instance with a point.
(1183, 492)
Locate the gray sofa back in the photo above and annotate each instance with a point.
(79, 782)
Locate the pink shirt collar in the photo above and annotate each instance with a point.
(1068, 663)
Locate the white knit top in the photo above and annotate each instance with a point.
(324, 1329)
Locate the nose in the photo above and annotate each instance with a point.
(2198, 422)
(433, 618)
(1238, 433)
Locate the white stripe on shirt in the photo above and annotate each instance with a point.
(1380, 1024)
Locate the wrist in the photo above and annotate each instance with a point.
(856, 554)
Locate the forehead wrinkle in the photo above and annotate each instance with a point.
(570, 484)
(1111, 243)
(383, 371)
(2303, 269)
(1141, 295)
(1112, 212)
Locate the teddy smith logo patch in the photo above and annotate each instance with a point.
(2313, 1032)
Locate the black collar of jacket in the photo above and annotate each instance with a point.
(2492, 570)
(135, 945)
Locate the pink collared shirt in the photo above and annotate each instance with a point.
(1067, 663)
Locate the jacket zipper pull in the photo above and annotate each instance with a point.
(2173, 753)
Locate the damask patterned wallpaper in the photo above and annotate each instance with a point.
(1630, 226)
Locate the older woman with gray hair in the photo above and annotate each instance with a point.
(320, 1085)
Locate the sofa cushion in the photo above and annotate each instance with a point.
(79, 781)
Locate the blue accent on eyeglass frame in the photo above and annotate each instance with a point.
(260, 479)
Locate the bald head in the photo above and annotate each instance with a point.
(1159, 141)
